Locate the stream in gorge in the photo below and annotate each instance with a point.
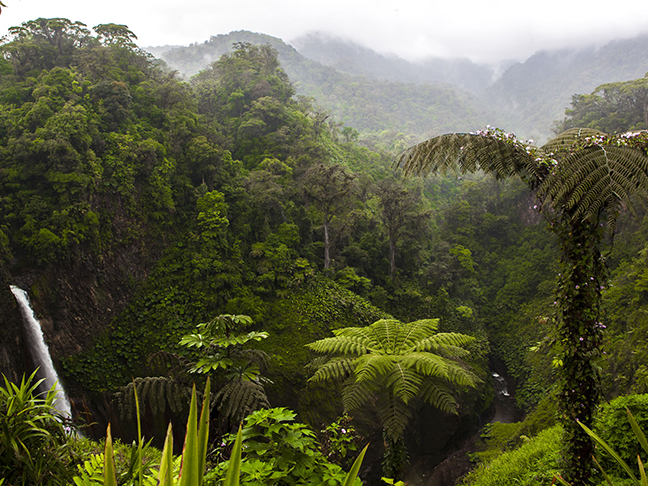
(457, 464)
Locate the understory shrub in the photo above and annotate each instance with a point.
(534, 462)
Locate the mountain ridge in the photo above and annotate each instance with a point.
(528, 97)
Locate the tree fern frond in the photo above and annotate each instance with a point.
(566, 140)
(334, 369)
(403, 382)
(450, 343)
(427, 364)
(596, 178)
(394, 415)
(156, 391)
(238, 398)
(438, 396)
(469, 153)
(355, 395)
(416, 331)
(341, 344)
(370, 367)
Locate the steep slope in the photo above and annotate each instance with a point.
(352, 58)
(365, 103)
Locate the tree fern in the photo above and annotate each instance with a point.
(159, 392)
(390, 363)
(582, 178)
(239, 398)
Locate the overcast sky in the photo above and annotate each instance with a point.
(485, 31)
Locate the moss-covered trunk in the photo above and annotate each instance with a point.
(579, 334)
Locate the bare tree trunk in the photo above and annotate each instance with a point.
(327, 247)
(392, 257)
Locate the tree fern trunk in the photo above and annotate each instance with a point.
(579, 334)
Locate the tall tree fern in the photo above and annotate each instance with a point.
(582, 179)
(390, 364)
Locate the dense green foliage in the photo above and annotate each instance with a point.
(614, 428)
(532, 463)
(612, 107)
(227, 194)
(582, 178)
(279, 451)
(391, 112)
(34, 445)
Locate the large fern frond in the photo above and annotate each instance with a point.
(333, 369)
(446, 343)
(156, 391)
(416, 332)
(467, 152)
(348, 341)
(438, 396)
(355, 395)
(372, 367)
(403, 382)
(394, 415)
(239, 398)
(595, 178)
(564, 141)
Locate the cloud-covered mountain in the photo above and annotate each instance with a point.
(370, 91)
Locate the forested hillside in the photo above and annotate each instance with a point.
(387, 107)
(369, 91)
(137, 204)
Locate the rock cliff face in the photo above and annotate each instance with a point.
(74, 304)
(13, 358)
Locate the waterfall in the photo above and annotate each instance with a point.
(41, 353)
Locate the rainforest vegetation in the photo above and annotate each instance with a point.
(222, 229)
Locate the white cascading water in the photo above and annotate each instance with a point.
(40, 352)
(500, 385)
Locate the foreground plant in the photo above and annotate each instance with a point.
(101, 469)
(582, 178)
(280, 451)
(34, 448)
(390, 364)
(194, 455)
(642, 480)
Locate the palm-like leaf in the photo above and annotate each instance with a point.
(595, 178)
(581, 173)
(391, 363)
(468, 152)
(564, 141)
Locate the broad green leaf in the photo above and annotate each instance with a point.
(189, 467)
(165, 477)
(353, 473)
(203, 433)
(110, 478)
(637, 431)
(234, 469)
(607, 478)
(560, 480)
(610, 451)
(139, 436)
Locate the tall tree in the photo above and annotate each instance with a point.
(390, 364)
(612, 107)
(399, 208)
(582, 179)
(328, 187)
